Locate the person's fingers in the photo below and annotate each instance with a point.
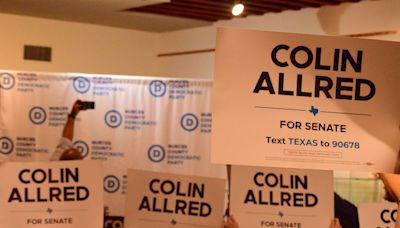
(71, 154)
(391, 183)
(231, 222)
(223, 225)
(335, 223)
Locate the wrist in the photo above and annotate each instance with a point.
(71, 115)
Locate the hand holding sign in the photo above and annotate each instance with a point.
(275, 197)
(335, 224)
(51, 194)
(231, 222)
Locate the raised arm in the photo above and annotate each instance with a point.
(68, 131)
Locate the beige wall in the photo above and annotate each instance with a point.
(364, 17)
(76, 47)
(89, 48)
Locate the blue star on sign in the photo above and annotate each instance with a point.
(280, 214)
(173, 222)
(49, 210)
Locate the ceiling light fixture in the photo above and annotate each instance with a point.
(237, 9)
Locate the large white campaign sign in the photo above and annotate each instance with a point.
(274, 197)
(150, 123)
(305, 101)
(377, 215)
(165, 200)
(52, 194)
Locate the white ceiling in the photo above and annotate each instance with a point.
(101, 12)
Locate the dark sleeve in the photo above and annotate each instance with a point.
(346, 212)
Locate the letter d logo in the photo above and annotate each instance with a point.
(189, 122)
(7, 81)
(157, 88)
(6, 145)
(113, 119)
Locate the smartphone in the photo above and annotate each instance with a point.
(84, 105)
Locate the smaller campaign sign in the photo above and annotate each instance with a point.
(164, 200)
(274, 197)
(62, 194)
(377, 215)
(113, 221)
